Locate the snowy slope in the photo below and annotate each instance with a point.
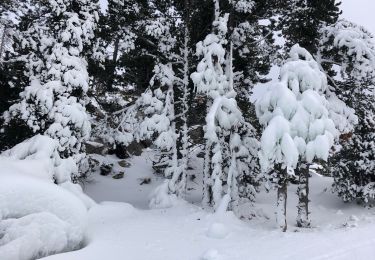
(117, 230)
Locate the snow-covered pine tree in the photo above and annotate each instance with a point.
(298, 128)
(159, 125)
(177, 183)
(53, 102)
(173, 46)
(227, 155)
(352, 167)
(157, 107)
(350, 48)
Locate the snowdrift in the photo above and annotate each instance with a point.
(38, 217)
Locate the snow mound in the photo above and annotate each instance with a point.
(43, 151)
(38, 218)
(161, 198)
(38, 157)
(211, 254)
(217, 230)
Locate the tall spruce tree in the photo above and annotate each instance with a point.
(228, 160)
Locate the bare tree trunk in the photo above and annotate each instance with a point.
(207, 170)
(282, 195)
(303, 196)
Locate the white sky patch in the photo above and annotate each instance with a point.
(360, 12)
(103, 6)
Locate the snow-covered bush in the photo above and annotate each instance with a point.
(298, 127)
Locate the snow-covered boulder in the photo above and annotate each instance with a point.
(41, 211)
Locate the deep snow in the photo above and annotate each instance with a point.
(39, 217)
(118, 230)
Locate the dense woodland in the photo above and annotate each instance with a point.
(176, 76)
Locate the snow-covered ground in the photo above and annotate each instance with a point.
(39, 218)
(126, 229)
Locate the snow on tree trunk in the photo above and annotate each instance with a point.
(207, 181)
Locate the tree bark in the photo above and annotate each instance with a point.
(282, 195)
(303, 196)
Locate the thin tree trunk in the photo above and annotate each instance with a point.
(184, 101)
(207, 181)
(179, 178)
(282, 195)
(2, 45)
(303, 196)
(113, 65)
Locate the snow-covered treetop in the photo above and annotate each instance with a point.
(243, 6)
(210, 78)
(225, 115)
(302, 72)
(355, 46)
(295, 114)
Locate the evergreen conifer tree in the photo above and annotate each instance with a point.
(298, 128)
(53, 100)
(351, 49)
